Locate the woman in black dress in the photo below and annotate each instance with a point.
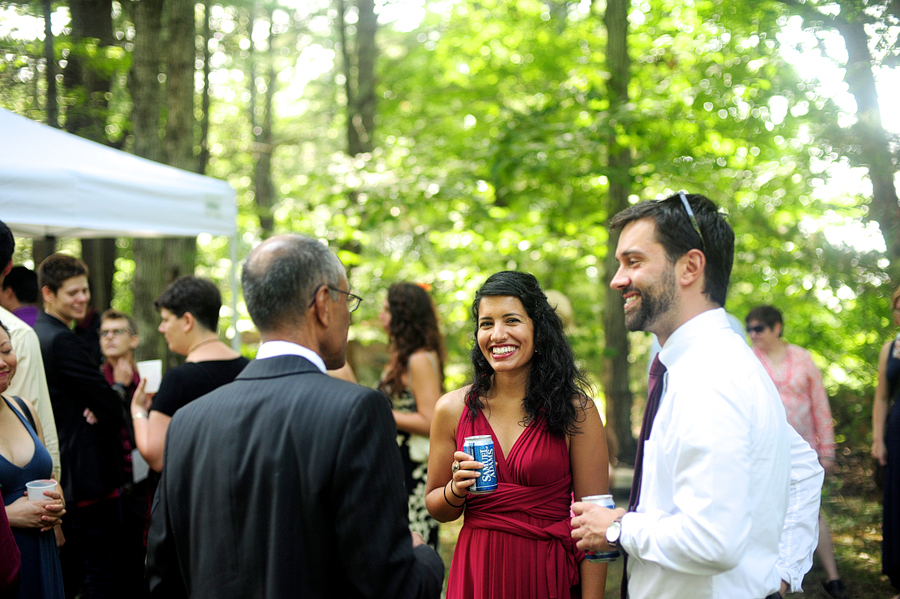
(189, 309)
(414, 380)
(886, 447)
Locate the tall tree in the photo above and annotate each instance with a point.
(360, 54)
(618, 393)
(868, 143)
(262, 76)
(88, 84)
(158, 262)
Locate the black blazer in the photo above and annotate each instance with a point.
(285, 483)
(90, 454)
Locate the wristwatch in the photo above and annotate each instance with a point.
(614, 532)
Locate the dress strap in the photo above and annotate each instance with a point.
(25, 411)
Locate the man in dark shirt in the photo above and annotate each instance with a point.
(90, 448)
(118, 339)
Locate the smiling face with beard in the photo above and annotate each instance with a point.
(651, 301)
(647, 280)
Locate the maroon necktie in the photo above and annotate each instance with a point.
(657, 370)
(654, 394)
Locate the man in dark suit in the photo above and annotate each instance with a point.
(287, 482)
(90, 446)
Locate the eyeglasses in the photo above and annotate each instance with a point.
(353, 300)
(111, 333)
(757, 329)
(690, 213)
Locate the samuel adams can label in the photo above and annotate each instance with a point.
(481, 448)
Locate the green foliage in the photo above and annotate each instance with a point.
(492, 124)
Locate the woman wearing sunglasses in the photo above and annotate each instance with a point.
(799, 383)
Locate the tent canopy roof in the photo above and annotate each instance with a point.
(55, 183)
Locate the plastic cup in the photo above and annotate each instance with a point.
(36, 489)
(152, 371)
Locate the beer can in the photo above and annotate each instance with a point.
(601, 556)
(481, 448)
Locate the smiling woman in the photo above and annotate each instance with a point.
(528, 397)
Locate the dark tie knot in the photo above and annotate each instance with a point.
(657, 368)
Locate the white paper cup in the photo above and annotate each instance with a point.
(152, 371)
(36, 489)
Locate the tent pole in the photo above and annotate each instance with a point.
(236, 340)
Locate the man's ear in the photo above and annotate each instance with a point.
(48, 295)
(777, 328)
(189, 321)
(323, 306)
(8, 268)
(693, 265)
(135, 341)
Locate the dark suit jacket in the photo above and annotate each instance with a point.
(285, 483)
(90, 454)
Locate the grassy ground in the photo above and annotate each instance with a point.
(853, 509)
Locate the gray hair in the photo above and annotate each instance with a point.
(279, 282)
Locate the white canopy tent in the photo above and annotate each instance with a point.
(56, 184)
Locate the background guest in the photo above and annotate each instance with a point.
(31, 382)
(19, 294)
(91, 452)
(118, 340)
(413, 380)
(799, 384)
(189, 309)
(25, 459)
(886, 447)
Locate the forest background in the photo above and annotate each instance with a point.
(439, 141)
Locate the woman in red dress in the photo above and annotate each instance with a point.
(530, 397)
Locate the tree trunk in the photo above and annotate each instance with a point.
(874, 148)
(41, 247)
(88, 89)
(158, 262)
(146, 91)
(618, 395)
(203, 157)
(180, 60)
(52, 107)
(359, 73)
(264, 140)
(100, 257)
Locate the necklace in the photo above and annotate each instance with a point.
(202, 343)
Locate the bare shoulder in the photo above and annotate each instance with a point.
(28, 406)
(422, 359)
(451, 405)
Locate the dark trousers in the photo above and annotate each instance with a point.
(89, 558)
(134, 549)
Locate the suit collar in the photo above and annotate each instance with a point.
(278, 366)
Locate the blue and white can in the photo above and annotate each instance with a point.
(481, 448)
(601, 556)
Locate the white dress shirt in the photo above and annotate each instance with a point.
(30, 381)
(271, 349)
(730, 493)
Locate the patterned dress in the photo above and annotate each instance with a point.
(415, 472)
(799, 384)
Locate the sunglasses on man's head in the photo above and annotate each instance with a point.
(757, 329)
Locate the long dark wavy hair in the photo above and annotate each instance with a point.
(555, 385)
(414, 326)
